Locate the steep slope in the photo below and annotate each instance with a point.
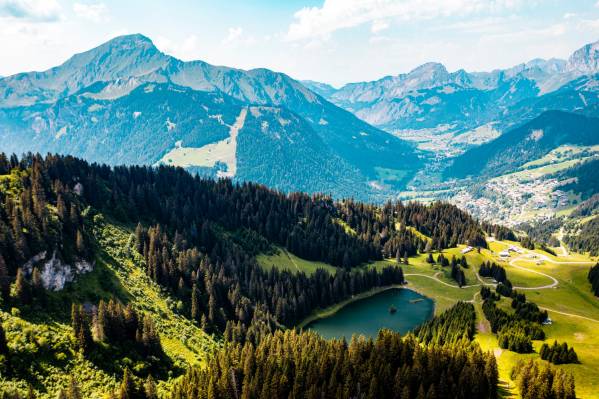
(526, 143)
(170, 255)
(126, 102)
(124, 57)
(585, 59)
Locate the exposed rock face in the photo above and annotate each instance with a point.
(586, 59)
(54, 272)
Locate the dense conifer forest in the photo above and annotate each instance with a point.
(585, 239)
(198, 240)
(515, 331)
(536, 381)
(291, 364)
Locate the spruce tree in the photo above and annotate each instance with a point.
(3, 342)
(4, 280)
(22, 288)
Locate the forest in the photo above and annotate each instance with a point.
(586, 238)
(536, 381)
(290, 364)
(198, 239)
(515, 331)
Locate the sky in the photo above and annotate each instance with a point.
(332, 41)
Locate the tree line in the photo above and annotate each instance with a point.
(513, 332)
(537, 381)
(558, 353)
(288, 364)
(454, 324)
(593, 278)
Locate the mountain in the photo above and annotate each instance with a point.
(526, 143)
(585, 59)
(430, 104)
(127, 102)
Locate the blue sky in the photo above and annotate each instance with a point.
(334, 41)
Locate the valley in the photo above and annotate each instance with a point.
(557, 284)
(174, 229)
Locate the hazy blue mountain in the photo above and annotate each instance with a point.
(526, 143)
(585, 60)
(430, 97)
(127, 102)
(580, 95)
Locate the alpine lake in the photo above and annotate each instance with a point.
(397, 309)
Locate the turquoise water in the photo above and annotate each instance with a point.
(367, 316)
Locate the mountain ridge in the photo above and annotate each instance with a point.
(430, 97)
(43, 111)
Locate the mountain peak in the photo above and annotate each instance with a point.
(429, 67)
(585, 59)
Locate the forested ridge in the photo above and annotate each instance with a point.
(198, 240)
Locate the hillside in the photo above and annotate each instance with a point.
(159, 267)
(169, 275)
(526, 143)
(129, 96)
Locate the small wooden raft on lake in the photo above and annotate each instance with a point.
(416, 300)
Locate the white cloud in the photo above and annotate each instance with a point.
(31, 10)
(94, 12)
(339, 14)
(379, 39)
(186, 49)
(233, 35)
(236, 36)
(378, 26)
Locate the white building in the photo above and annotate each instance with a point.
(467, 249)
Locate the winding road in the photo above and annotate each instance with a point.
(512, 262)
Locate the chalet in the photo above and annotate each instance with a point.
(467, 249)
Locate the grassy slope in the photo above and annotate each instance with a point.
(51, 343)
(284, 260)
(571, 296)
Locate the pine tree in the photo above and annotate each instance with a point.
(4, 280)
(22, 288)
(80, 243)
(127, 389)
(3, 342)
(195, 303)
(150, 388)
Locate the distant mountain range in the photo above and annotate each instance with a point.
(127, 102)
(430, 97)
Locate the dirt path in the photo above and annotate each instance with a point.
(440, 281)
(553, 284)
(568, 314)
(292, 261)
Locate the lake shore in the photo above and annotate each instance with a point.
(331, 310)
